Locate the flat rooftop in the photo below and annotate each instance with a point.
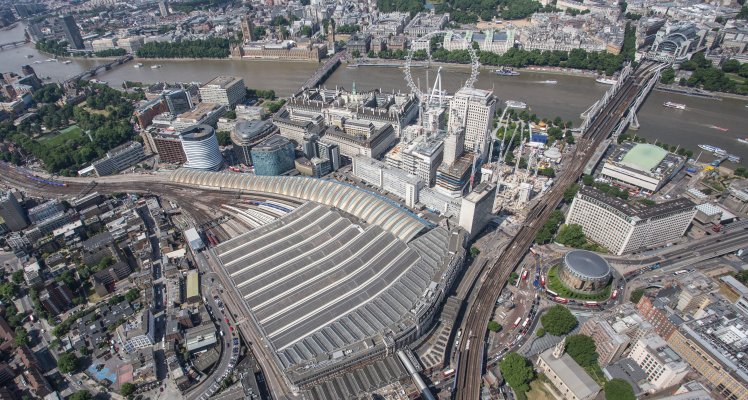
(223, 81)
(634, 209)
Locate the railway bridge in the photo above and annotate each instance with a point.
(17, 43)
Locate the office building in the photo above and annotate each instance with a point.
(72, 33)
(201, 148)
(130, 44)
(659, 314)
(663, 366)
(623, 227)
(615, 331)
(362, 138)
(200, 337)
(735, 292)
(641, 166)
(203, 114)
(192, 291)
(149, 110)
(454, 144)
(330, 152)
(12, 212)
(571, 380)
(56, 298)
(273, 156)
(392, 180)
(477, 208)
(224, 90)
(45, 210)
(119, 158)
(455, 179)
(104, 44)
(246, 135)
(474, 109)
(178, 101)
(168, 145)
(711, 347)
(420, 157)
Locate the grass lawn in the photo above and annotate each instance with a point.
(538, 391)
(95, 111)
(554, 283)
(71, 132)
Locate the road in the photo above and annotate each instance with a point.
(471, 359)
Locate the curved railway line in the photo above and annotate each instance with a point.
(471, 353)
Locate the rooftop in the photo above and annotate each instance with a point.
(569, 372)
(197, 132)
(223, 81)
(635, 209)
(644, 156)
(587, 263)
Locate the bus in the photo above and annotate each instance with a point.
(524, 275)
(683, 271)
(542, 280)
(516, 323)
(551, 293)
(590, 304)
(527, 322)
(560, 300)
(447, 373)
(614, 294)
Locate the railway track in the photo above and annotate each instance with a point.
(472, 351)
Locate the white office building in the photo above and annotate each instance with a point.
(119, 158)
(473, 109)
(477, 208)
(420, 157)
(390, 179)
(201, 148)
(623, 227)
(642, 166)
(663, 366)
(224, 90)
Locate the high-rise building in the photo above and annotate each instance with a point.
(623, 227)
(178, 101)
(421, 156)
(477, 208)
(72, 33)
(273, 156)
(56, 298)
(119, 159)
(246, 135)
(474, 109)
(224, 90)
(168, 145)
(247, 27)
(200, 146)
(331, 152)
(393, 180)
(454, 145)
(12, 212)
(163, 8)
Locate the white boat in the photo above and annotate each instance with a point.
(29, 55)
(550, 82)
(66, 62)
(744, 141)
(99, 82)
(138, 65)
(606, 81)
(157, 66)
(516, 104)
(678, 106)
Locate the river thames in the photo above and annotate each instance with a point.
(569, 97)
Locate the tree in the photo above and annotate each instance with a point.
(132, 295)
(17, 277)
(494, 326)
(571, 235)
(81, 395)
(558, 320)
(8, 290)
(127, 389)
(224, 138)
(619, 389)
(517, 372)
(588, 180)
(474, 251)
(570, 192)
(668, 76)
(22, 337)
(582, 349)
(731, 66)
(356, 54)
(67, 363)
(636, 295)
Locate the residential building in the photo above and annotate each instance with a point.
(119, 158)
(273, 156)
(392, 180)
(149, 110)
(203, 114)
(201, 148)
(178, 101)
(473, 109)
(663, 366)
(623, 227)
(642, 166)
(12, 212)
(104, 280)
(571, 380)
(56, 298)
(660, 315)
(168, 145)
(224, 90)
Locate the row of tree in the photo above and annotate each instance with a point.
(116, 52)
(53, 47)
(199, 48)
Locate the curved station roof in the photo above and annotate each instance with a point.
(373, 209)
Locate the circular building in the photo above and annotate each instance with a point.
(201, 148)
(584, 271)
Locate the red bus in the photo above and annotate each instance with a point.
(524, 275)
(614, 295)
(542, 280)
(527, 322)
(516, 323)
(447, 373)
(590, 304)
(560, 300)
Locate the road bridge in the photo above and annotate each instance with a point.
(93, 71)
(323, 72)
(603, 121)
(17, 43)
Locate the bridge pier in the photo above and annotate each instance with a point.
(634, 123)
